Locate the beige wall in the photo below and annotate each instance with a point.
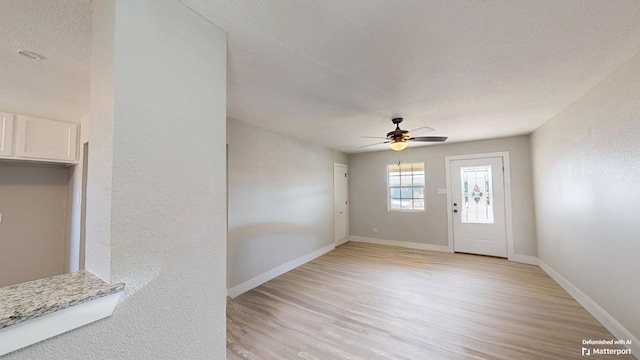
(368, 189)
(32, 232)
(280, 200)
(587, 190)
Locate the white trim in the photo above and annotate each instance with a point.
(346, 238)
(608, 321)
(424, 188)
(525, 259)
(35, 330)
(275, 272)
(404, 244)
(447, 174)
(506, 162)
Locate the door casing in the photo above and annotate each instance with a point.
(507, 195)
(340, 210)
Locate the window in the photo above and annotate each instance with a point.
(477, 194)
(406, 187)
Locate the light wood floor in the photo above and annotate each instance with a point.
(364, 301)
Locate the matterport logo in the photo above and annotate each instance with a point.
(588, 351)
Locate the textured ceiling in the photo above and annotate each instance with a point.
(57, 86)
(330, 71)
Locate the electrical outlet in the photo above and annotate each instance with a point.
(375, 230)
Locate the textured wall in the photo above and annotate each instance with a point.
(33, 203)
(100, 163)
(168, 194)
(280, 200)
(587, 175)
(368, 189)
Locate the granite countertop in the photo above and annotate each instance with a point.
(32, 299)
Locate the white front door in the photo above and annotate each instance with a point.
(341, 208)
(478, 206)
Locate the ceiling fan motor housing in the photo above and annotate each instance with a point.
(398, 139)
(398, 134)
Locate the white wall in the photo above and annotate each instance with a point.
(100, 163)
(167, 197)
(368, 193)
(280, 200)
(587, 190)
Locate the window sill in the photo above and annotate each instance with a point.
(37, 310)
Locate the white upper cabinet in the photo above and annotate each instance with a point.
(6, 134)
(44, 139)
(29, 138)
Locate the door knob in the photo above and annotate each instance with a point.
(455, 210)
(455, 204)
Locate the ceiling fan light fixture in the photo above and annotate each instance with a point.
(399, 139)
(398, 145)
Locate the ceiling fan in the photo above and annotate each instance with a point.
(398, 139)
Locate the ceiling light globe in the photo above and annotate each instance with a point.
(398, 145)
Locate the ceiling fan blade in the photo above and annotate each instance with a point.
(423, 129)
(384, 142)
(373, 137)
(429, 138)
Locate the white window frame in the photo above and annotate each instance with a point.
(423, 186)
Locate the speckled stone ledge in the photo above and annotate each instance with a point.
(30, 300)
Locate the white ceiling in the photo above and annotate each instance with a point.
(329, 71)
(58, 86)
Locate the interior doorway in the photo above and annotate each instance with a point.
(341, 206)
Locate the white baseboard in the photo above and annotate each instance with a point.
(525, 259)
(611, 324)
(275, 272)
(405, 244)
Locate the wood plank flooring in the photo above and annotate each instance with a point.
(364, 301)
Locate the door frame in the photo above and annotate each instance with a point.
(507, 195)
(346, 169)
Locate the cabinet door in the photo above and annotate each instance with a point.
(6, 134)
(45, 139)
